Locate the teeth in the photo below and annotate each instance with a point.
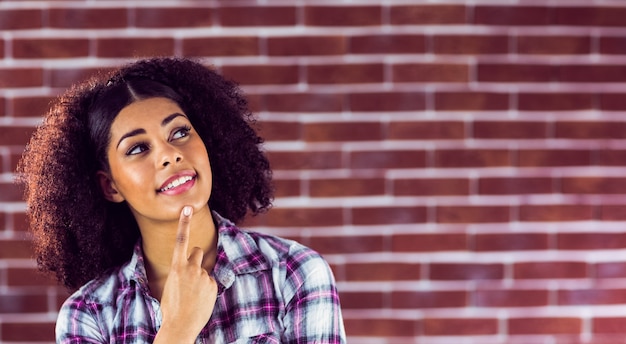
(177, 182)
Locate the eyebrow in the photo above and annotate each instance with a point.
(136, 132)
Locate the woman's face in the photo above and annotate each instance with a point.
(158, 162)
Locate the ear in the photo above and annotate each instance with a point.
(108, 188)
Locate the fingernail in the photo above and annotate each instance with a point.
(187, 210)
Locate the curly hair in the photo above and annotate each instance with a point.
(77, 233)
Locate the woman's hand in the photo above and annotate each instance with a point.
(189, 293)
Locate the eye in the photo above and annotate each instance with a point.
(179, 133)
(137, 149)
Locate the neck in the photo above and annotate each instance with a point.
(158, 244)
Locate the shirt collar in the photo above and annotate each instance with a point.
(237, 253)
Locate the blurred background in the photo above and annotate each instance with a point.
(459, 163)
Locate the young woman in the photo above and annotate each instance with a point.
(134, 183)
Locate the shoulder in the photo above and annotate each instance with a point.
(301, 264)
(82, 313)
(99, 290)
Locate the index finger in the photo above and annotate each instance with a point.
(182, 236)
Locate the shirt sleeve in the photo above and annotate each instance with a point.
(313, 313)
(77, 323)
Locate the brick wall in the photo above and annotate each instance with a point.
(459, 163)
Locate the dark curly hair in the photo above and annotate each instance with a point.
(78, 234)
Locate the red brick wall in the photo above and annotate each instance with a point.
(459, 163)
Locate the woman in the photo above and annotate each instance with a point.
(134, 183)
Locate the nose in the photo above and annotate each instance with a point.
(170, 155)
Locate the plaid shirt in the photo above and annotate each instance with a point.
(270, 290)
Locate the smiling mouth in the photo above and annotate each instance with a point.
(176, 182)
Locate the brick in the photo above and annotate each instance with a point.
(380, 327)
(511, 242)
(353, 73)
(387, 101)
(550, 270)
(3, 107)
(456, 158)
(16, 136)
(515, 185)
(342, 131)
(593, 185)
(362, 300)
(608, 325)
(25, 277)
(611, 157)
(612, 212)
(612, 101)
(428, 299)
(590, 130)
(460, 326)
(382, 271)
(515, 72)
(590, 241)
(88, 18)
(472, 214)
(20, 19)
(221, 46)
(353, 15)
(612, 45)
(29, 106)
(589, 16)
(64, 78)
(304, 102)
(470, 44)
(306, 46)
(387, 44)
(388, 215)
(305, 217)
(545, 325)
(429, 242)
(591, 73)
(21, 77)
(431, 187)
(273, 131)
(555, 101)
(50, 48)
(483, 101)
(15, 249)
(504, 298)
(134, 47)
(465, 271)
(553, 45)
(509, 130)
(426, 14)
(598, 296)
(347, 244)
(344, 187)
(265, 74)
(19, 220)
(609, 270)
(26, 332)
(169, 17)
(286, 187)
(257, 16)
(554, 157)
(305, 160)
(23, 302)
(11, 192)
(384, 159)
(430, 72)
(512, 15)
(548, 212)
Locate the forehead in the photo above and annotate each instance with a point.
(143, 113)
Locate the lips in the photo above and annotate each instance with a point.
(176, 181)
